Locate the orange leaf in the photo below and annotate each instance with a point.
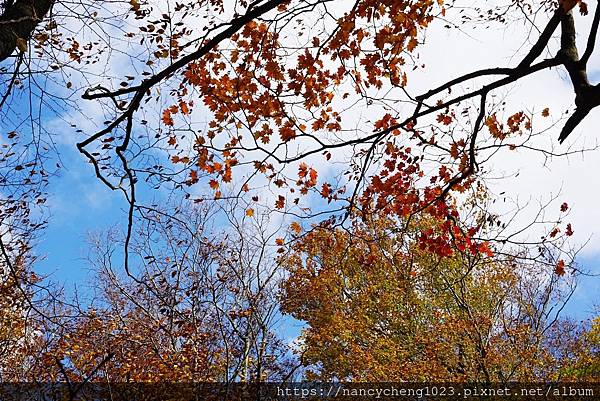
(166, 118)
(227, 174)
(296, 227)
(313, 177)
(184, 108)
(286, 133)
(280, 203)
(302, 170)
(560, 268)
(193, 177)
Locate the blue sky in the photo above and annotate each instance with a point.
(585, 301)
(79, 204)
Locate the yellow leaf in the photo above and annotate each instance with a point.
(296, 227)
(250, 212)
(22, 44)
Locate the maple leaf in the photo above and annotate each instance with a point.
(287, 133)
(484, 248)
(546, 112)
(296, 227)
(412, 44)
(312, 173)
(569, 230)
(559, 269)
(280, 203)
(564, 207)
(494, 127)
(514, 122)
(193, 177)
(302, 170)
(250, 212)
(167, 119)
(444, 119)
(227, 174)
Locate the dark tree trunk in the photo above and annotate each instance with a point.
(18, 21)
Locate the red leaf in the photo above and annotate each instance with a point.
(280, 203)
(569, 230)
(560, 268)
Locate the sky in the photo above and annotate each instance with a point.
(80, 205)
(529, 178)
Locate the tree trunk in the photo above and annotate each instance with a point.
(18, 22)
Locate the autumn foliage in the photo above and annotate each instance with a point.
(379, 308)
(281, 165)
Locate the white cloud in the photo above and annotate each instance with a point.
(449, 53)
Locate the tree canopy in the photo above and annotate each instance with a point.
(291, 161)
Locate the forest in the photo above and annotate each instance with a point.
(268, 191)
